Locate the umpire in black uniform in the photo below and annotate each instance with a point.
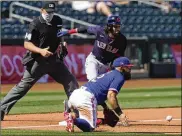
(45, 53)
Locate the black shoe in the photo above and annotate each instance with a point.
(2, 115)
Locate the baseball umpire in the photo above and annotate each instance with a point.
(96, 92)
(109, 44)
(45, 54)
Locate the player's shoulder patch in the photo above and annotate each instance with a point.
(28, 36)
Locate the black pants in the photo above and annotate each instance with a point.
(57, 70)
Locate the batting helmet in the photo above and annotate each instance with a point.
(122, 61)
(113, 20)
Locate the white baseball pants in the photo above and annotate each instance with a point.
(94, 67)
(86, 103)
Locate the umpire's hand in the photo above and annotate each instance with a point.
(45, 53)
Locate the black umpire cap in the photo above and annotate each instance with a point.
(49, 6)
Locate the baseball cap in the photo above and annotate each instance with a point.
(122, 61)
(49, 6)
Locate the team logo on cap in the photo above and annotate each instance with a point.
(51, 5)
(118, 19)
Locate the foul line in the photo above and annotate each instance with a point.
(159, 120)
(21, 127)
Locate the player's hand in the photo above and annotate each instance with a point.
(65, 44)
(45, 53)
(62, 33)
(124, 120)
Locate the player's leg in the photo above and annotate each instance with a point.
(103, 8)
(31, 75)
(62, 75)
(86, 105)
(91, 67)
(103, 69)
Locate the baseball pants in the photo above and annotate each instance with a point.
(86, 104)
(57, 70)
(94, 68)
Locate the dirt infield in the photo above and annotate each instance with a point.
(156, 121)
(156, 117)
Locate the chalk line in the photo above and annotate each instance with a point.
(62, 123)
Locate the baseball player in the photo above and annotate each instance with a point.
(96, 92)
(109, 44)
(45, 53)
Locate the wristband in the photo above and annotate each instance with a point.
(118, 111)
(72, 31)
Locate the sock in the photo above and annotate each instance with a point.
(83, 125)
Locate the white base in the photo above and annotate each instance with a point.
(62, 123)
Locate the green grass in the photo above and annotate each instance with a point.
(44, 102)
(58, 133)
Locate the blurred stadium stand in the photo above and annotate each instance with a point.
(138, 19)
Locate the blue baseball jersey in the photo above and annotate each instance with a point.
(100, 86)
(105, 48)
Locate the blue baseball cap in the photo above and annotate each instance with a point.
(122, 61)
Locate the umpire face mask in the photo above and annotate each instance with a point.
(48, 16)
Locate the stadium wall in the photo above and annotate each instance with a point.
(139, 51)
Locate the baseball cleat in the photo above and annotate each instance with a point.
(100, 121)
(2, 115)
(69, 120)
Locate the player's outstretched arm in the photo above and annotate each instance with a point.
(112, 100)
(72, 31)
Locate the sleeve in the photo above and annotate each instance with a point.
(59, 27)
(116, 84)
(93, 29)
(32, 33)
(60, 23)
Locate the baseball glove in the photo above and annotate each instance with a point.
(110, 118)
(61, 51)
